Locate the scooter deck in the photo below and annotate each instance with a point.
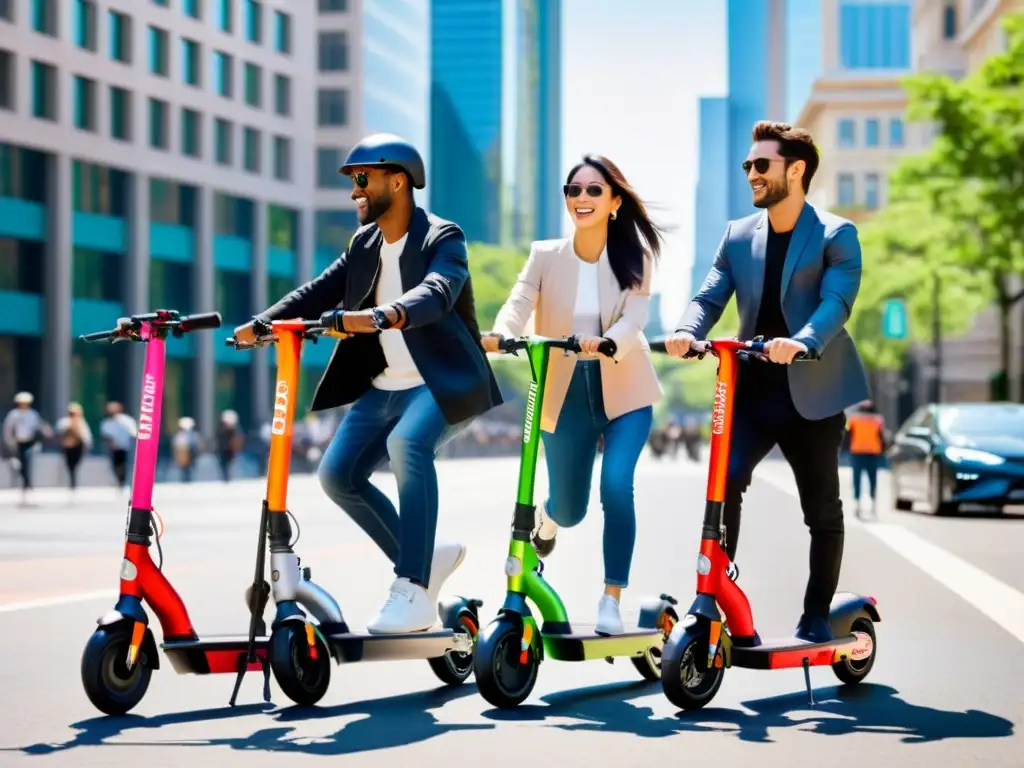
(790, 652)
(584, 644)
(214, 654)
(349, 647)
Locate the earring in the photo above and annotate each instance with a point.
(614, 215)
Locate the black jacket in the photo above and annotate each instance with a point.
(441, 329)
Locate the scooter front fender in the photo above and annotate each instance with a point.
(847, 607)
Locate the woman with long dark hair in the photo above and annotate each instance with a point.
(595, 284)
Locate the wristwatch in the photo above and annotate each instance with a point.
(381, 321)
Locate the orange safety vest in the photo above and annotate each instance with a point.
(866, 431)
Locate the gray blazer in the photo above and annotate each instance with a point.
(820, 281)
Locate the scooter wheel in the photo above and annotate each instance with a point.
(504, 677)
(454, 668)
(685, 677)
(852, 672)
(109, 684)
(302, 678)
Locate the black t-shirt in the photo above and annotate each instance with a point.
(766, 380)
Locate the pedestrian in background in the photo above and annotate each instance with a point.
(118, 430)
(229, 442)
(75, 441)
(23, 430)
(867, 442)
(185, 447)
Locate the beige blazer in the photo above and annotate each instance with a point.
(546, 289)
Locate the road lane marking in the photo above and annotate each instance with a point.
(995, 599)
(49, 602)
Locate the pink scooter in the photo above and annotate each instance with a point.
(121, 655)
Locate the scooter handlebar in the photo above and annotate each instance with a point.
(571, 343)
(744, 349)
(200, 322)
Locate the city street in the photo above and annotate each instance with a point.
(945, 691)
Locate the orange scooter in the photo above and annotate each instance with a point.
(299, 650)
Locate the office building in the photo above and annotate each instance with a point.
(182, 155)
(496, 96)
(714, 177)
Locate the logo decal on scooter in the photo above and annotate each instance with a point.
(718, 410)
(128, 570)
(280, 421)
(513, 566)
(147, 408)
(859, 651)
(531, 401)
(703, 565)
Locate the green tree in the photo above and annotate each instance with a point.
(975, 172)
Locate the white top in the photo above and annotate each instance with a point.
(587, 312)
(401, 371)
(119, 430)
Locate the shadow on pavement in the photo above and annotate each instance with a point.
(394, 721)
(839, 711)
(402, 720)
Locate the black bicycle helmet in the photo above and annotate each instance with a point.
(386, 149)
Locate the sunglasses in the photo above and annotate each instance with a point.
(362, 180)
(762, 164)
(575, 190)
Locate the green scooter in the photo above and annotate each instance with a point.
(510, 649)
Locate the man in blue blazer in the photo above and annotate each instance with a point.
(795, 272)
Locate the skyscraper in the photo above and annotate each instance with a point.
(713, 181)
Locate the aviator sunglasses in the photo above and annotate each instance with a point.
(761, 164)
(575, 190)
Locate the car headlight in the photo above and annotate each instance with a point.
(958, 455)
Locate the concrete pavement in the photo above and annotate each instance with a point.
(945, 689)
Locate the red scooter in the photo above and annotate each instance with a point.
(702, 645)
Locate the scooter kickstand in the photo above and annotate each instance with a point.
(243, 664)
(807, 681)
(265, 664)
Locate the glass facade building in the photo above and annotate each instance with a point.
(496, 97)
(874, 35)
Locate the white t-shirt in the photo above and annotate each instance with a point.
(401, 371)
(587, 312)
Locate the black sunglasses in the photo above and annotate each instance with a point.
(575, 190)
(762, 164)
(362, 180)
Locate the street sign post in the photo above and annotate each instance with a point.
(894, 319)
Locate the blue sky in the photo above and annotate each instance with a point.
(632, 75)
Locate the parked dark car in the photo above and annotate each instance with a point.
(959, 453)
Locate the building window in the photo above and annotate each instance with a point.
(193, 8)
(844, 190)
(120, 114)
(251, 150)
(949, 21)
(98, 189)
(223, 132)
(85, 103)
(7, 10)
(120, 37)
(191, 56)
(332, 106)
(223, 15)
(158, 51)
(253, 78)
(282, 159)
(191, 133)
(21, 266)
(282, 95)
(871, 133)
(7, 80)
(157, 124)
(44, 17)
(85, 24)
(44, 91)
(333, 6)
(232, 216)
(223, 74)
(896, 132)
(22, 173)
(171, 202)
(871, 182)
(328, 161)
(253, 21)
(160, 2)
(847, 136)
(335, 228)
(96, 274)
(282, 32)
(333, 51)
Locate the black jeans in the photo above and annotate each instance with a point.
(811, 448)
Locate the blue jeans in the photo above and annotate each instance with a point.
(571, 450)
(408, 427)
(864, 463)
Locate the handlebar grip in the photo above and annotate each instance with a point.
(202, 321)
(658, 345)
(608, 347)
(98, 336)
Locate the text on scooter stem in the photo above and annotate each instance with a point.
(531, 401)
(718, 410)
(145, 430)
(280, 421)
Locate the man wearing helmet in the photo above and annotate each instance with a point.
(413, 368)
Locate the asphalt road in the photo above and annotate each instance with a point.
(947, 688)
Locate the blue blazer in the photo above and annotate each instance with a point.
(820, 281)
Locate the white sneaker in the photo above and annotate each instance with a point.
(609, 622)
(448, 556)
(407, 609)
